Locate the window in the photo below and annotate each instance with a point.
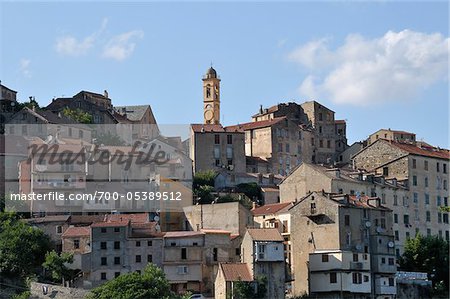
(215, 254)
(117, 245)
(149, 243)
(320, 117)
(446, 201)
(138, 243)
(329, 143)
(320, 129)
(427, 199)
(437, 167)
(426, 182)
(312, 142)
(383, 198)
(333, 277)
(406, 219)
(395, 200)
(391, 281)
(229, 152)
(216, 139)
(183, 253)
(138, 258)
(383, 223)
(447, 234)
(414, 180)
(396, 235)
(444, 168)
(116, 274)
(288, 148)
(117, 260)
(391, 261)
(428, 232)
(425, 165)
(445, 218)
(280, 147)
(386, 171)
(366, 278)
(102, 245)
(414, 163)
(383, 260)
(347, 220)
(229, 139)
(395, 218)
(320, 143)
(59, 229)
(117, 229)
(415, 197)
(407, 235)
(103, 230)
(325, 258)
(355, 257)
(438, 201)
(237, 251)
(76, 244)
(357, 278)
(149, 258)
(103, 276)
(80, 134)
(103, 261)
(428, 216)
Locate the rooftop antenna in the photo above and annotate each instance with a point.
(211, 63)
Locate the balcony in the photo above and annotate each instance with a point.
(385, 290)
(356, 266)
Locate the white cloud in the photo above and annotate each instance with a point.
(122, 46)
(24, 67)
(394, 67)
(70, 46)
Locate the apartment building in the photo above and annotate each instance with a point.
(393, 135)
(191, 258)
(425, 169)
(262, 250)
(344, 247)
(393, 193)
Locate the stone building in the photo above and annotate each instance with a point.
(227, 275)
(394, 193)
(425, 169)
(211, 97)
(8, 104)
(214, 147)
(262, 250)
(344, 247)
(393, 135)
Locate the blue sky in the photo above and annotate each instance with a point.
(376, 64)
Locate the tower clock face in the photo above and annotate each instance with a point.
(209, 114)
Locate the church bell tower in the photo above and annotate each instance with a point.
(211, 97)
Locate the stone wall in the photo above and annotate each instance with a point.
(55, 292)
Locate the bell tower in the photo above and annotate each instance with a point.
(211, 97)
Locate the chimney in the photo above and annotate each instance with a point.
(260, 109)
(253, 205)
(105, 94)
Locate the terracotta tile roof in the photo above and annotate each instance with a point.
(340, 121)
(182, 234)
(200, 128)
(422, 151)
(110, 224)
(257, 124)
(86, 219)
(270, 208)
(236, 272)
(265, 234)
(134, 218)
(365, 202)
(46, 219)
(77, 231)
(216, 231)
(234, 236)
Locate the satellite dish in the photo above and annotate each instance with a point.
(391, 244)
(379, 229)
(156, 218)
(358, 247)
(231, 167)
(368, 224)
(158, 227)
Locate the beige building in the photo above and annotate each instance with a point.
(344, 247)
(191, 259)
(227, 275)
(394, 194)
(425, 169)
(393, 135)
(214, 147)
(211, 97)
(262, 250)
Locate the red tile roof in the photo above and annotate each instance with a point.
(200, 128)
(340, 121)
(265, 234)
(77, 231)
(258, 124)
(270, 209)
(134, 218)
(216, 231)
(110, 224)
(182, 234)
(236, 272)
(422, 151)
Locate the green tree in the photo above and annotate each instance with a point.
(22, 247)
(427, 254)
(109, 139)
(204, 178)
(250, 290)
(55, 264)
(152, 283)
(251, 190)
(78, 115)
